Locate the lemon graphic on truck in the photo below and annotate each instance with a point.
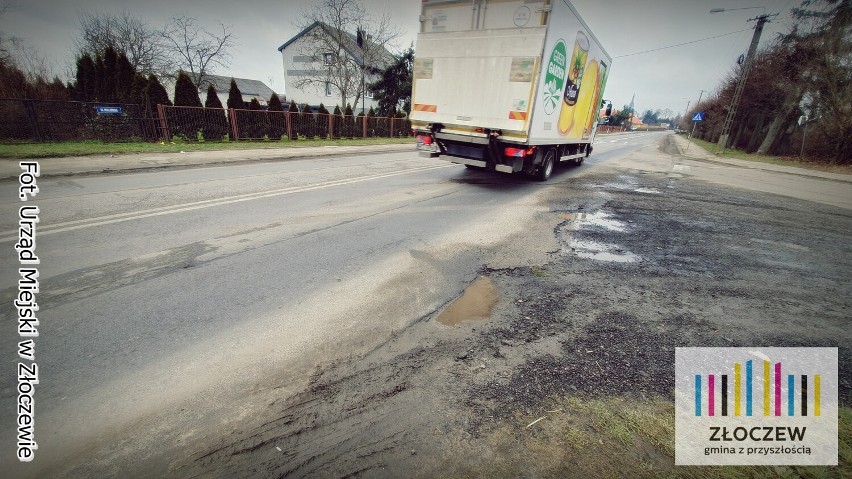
(576, 76)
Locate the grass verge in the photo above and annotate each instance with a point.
(775, 160)
(86, 148)
(615, 437)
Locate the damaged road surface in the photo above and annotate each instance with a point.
(395, 317)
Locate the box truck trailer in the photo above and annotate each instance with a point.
(506, 85)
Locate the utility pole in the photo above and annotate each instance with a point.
(632, 112)
(361, 40)
(732, 110)
(694, 123)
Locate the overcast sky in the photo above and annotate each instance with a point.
(665, 79)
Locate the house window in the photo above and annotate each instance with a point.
(369, 94)
(328, 57)
(327, 89)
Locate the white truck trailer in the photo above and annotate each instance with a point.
(506, 85)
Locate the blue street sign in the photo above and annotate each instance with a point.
(108, 110)
(698, 116)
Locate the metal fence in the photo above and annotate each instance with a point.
(214, 124)
(50, 120)
(56, 120)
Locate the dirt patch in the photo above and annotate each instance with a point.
(574, 341)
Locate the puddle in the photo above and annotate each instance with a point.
(650, 191)
(598, 218)
(625, 183)
(602, 252)
(476, 302)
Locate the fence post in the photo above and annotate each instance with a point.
(289, 126)
(364, 126)
(164, 124)
(392, 130)
(331, 125)
(232, 116)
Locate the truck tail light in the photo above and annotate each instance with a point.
(518, 152)
(424, 140)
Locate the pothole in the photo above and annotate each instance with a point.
(598, 218)
(476, 303)
(602, 252)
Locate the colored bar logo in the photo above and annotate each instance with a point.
(756, 406)
(772, 392)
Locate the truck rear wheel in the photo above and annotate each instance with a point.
(546, 168)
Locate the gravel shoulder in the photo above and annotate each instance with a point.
(643, 257)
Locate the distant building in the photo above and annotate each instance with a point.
(222, 84)
(304, 57)
(250, 89)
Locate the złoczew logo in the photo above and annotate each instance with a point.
(756, 406)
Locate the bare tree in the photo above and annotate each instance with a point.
(197, 51)
(331, 47)
(17, 53)
(125, 33)
(5, 42)
(820, 50)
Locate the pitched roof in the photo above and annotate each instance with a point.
(247, 87)
(350, 42)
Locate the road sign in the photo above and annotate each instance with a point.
(108, 110)
(698, 116)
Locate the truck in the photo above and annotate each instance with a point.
(506, 85)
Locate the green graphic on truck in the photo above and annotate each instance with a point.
(555, 77)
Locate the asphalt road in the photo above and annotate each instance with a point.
(177, 302)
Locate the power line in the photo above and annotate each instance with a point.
(681, 44)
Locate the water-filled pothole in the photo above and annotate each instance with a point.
(598, 218)
(476, 302)
(602, 252)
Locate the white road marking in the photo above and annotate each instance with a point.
(167, 210)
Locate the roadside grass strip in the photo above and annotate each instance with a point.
(614, 437)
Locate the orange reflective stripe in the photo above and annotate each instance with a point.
(422, 107)
(517, 115)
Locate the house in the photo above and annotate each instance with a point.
(248, 88)
(222, 84)
(309, 58)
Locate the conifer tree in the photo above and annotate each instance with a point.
(306, 121)
(212, 100)
(254, 124)
(124, 77)
(99, 78)
(156, 94)
(275, 103)
(276, 117)
(348, 122)
(336, 122)
(86, 86)
(137, 93)
(235, 98)
(216, 124)
(108, 85)
(294, 118)
(185, 92)
(322, 121)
